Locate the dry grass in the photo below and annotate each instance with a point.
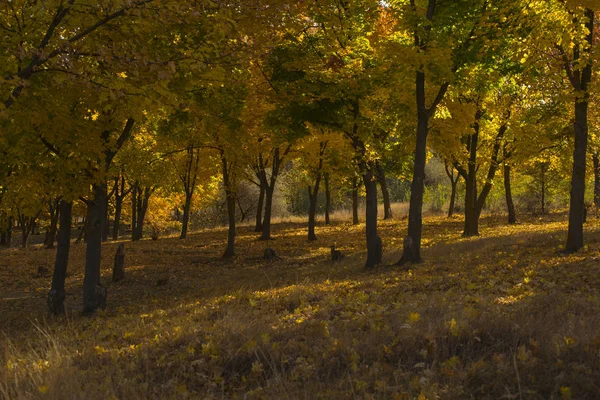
(504, 315)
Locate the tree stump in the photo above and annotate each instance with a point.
(119, 267)
(270, 255)
(336, 255)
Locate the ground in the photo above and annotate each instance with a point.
(503, 315)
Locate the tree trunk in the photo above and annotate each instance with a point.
(452, 198)
(27, 225)
(312, 210)
(259, 209)
(266, 228)
(186, 215)
(453, 183)
(374, 247)
(510, 206)
(228, 182)
(327, 200)
(119, 265)
(355, 186)
(92, 290)
(314, 195)
(117, 221)
(471, 227)
(142, 207)
(596, 159)
(412, 243)
(109, 195)
(387, 206)
(134, 210)
(56, 296)
(53, 210)
(576, 205)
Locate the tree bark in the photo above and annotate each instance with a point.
(134, 210)
(580, 80)
(327, 200)
(453, 183)
(120, 194)
(266, 227)
(143, 199)
(106, 227)
(269, 184)
(387, 206)
(53, 210)
(228, 184)
(56, 296)
(259, 209)
(92, 298)
(374, 247)
(412, 242)
(596, 159)
(188, 178)
(471, 226)
(314, 194)
(186, 215)
(355, 186)
(510, 206)
(27, 224)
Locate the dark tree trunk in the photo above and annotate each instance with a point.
(355, 186)
(412, 243)
(387, 206)
(488, 185)
(188, 178)
(228, 183)
(186, 216)
(56, 296)
(269, 184)
(596, 159)
(266, 228)
(471, 227)
(510, 206)
(374, 247)
(580, 79)
(92, 296)
(313, 195)
(134, 211)
(453, 183)
(119, 265)
(120, 194)
(117, 221)
(327, 200)
(312, 210)
(27, 225)
(53, 210)
(106, 228)
(259, 209)
(143, 198)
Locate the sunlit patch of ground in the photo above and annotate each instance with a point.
(502, 315)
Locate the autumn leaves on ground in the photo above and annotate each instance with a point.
(503, 315)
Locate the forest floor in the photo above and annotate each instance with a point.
(502, 315)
